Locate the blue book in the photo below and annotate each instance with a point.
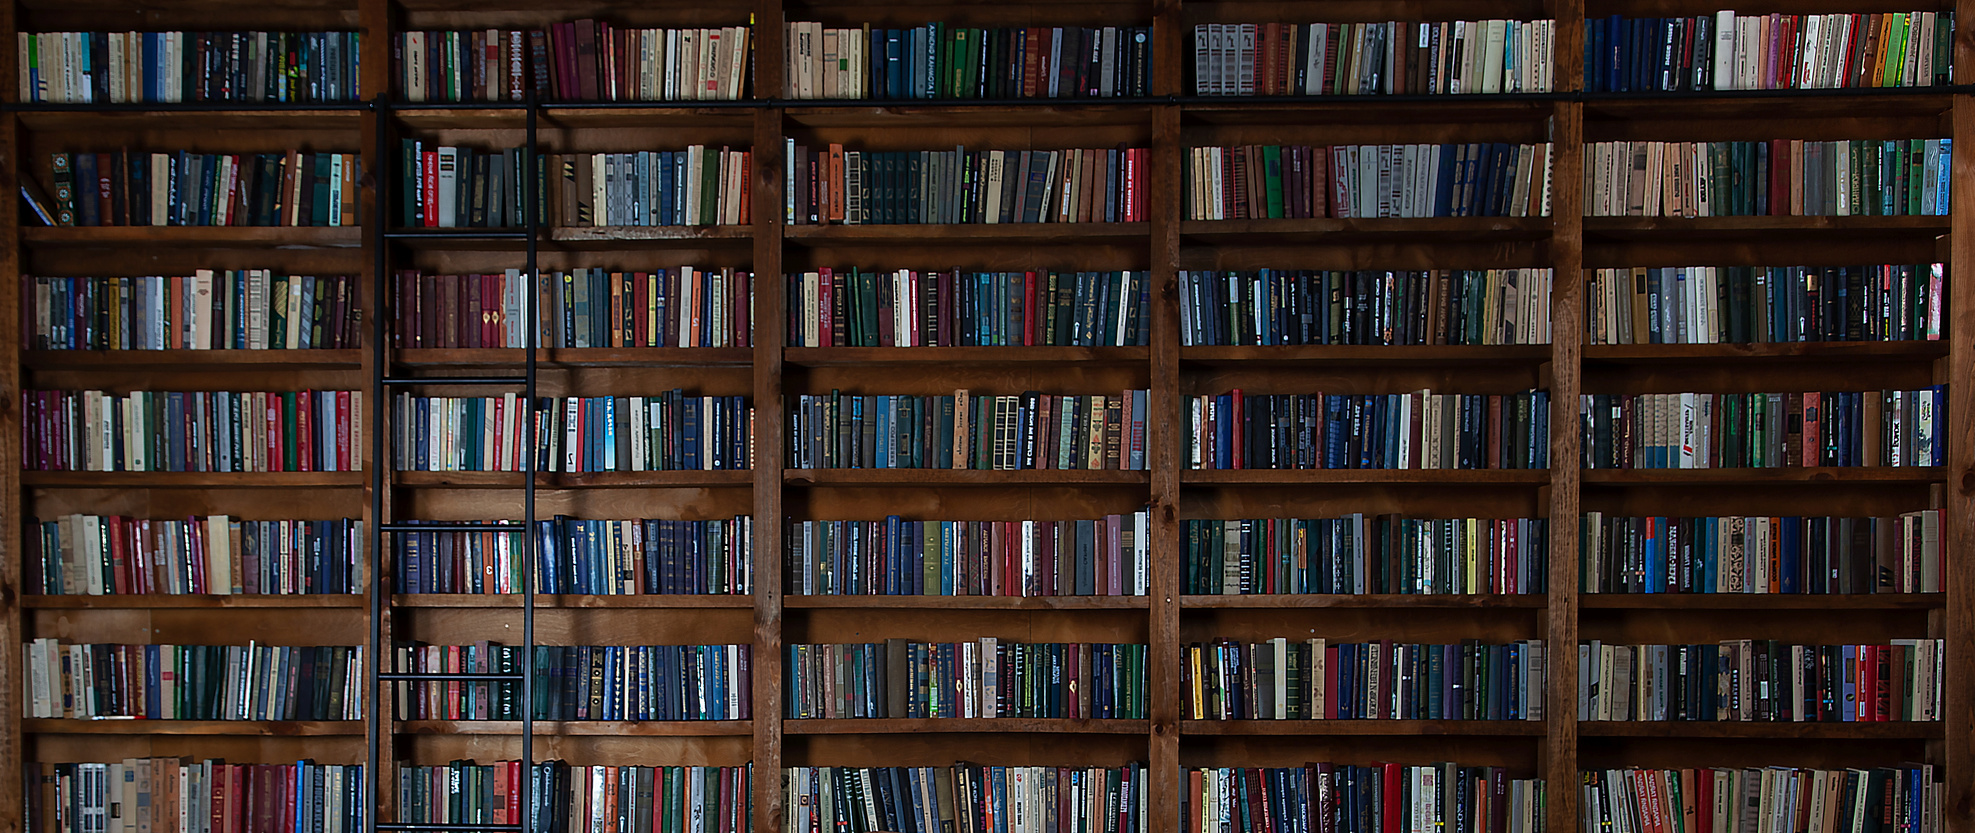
(894, 73)
(1656, 557)
(691, 436)
(1792, 550)
(608, 448)
(1711, 561)
(1443, 189)
(882, 417)
(1848, 710)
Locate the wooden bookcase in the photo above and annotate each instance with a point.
(1168, 122)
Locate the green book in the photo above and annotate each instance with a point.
(1895, 51)
(710, 184)
(1916, 173)
(1272, 171)
(291, 447)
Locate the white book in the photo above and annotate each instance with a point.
(1493, 42)
(1725, 42)
(448, 180)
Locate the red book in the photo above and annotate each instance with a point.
(274, 450)
(586, 59)
(304, 430)
(429, 188)
(343, 431)
(1389, 817)
(1779, 177)
(1238, 419)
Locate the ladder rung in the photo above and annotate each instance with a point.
(445, 527)
(441, 676)
(454, 380)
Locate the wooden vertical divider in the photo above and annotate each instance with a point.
(12, 748)
(1958, 717)
(769, 303)
(1164, 429)
(1559, 758)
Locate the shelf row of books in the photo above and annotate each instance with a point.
(1361, 554)
(219, 555)
(226, 309)
(834, 185)
(259, 309)
(1273, 307)
(1763, 304)
(1377, 58)
(172, 67)
(911, 308)
(583, 60)
(184, 188)
(967, 798)
(1772, 178)
(592, 60)
(1314, 679)
(578, 799)
(1738, 51)
(192, 682)
(179, 794)
(213, 431)
(987, 678)
(1333, 798)
(577, 682)
(583, 557)
(1764, 430)
(1763, 800)
(1761, 680)
(668, 432)
(1419, 430)
(1108, 556)
(449, 186)
(676, 307)
(1471, 179)
(1758, 554)
(968, 431)
(948, 61)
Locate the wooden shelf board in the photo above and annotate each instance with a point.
(1765, 353)
(1368, 600)
(1052, 113)
(966, 602)
(160, 601)
(1679, 227)
(1513, 728)
(611, 728)
(1410, 354)
(1759, 601)
(963, 477)
(243, 236)
(913, 725)
(192, 480)
(577, 480)
(576, 357)
(1889, 730)
(205, 117)
(1333, 229)
(835, 356)
(633, 234)
(192, 359)
(1753, 477)
(260, 728)
(961, 233)
(568, 601)
(1290, 477)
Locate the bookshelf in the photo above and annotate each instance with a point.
(769, 373)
